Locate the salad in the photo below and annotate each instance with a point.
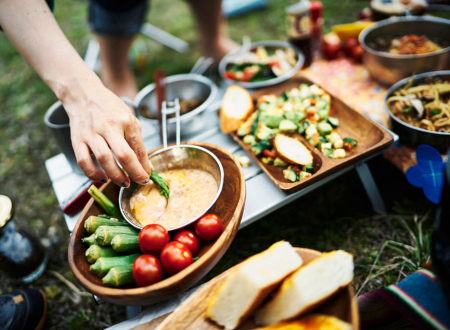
(301, 111)
(261, 64)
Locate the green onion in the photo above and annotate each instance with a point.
(434, 112)
(408, 110)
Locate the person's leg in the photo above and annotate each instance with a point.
(115, 72)
(215, 41)
(115, 23)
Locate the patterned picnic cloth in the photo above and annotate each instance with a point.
(351, 83)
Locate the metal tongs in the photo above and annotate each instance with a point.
(169, 108)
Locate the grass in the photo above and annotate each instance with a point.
(337, 215)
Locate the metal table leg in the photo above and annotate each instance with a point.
(132, 311)
(371, 187)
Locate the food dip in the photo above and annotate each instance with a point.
(191, 192)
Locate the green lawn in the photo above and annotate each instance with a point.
(337, 215)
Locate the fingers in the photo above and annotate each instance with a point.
(129, 159)
(86, 164)
(134, 139)
(106, 160)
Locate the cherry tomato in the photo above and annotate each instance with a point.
(147, 270)
(348, 46)
(357, 54)
(330, 45)
(175, 257)
(189, 239)
(208, 227)
(230, 75)
(153, 238)
(269, 153)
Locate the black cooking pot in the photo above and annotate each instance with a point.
(411, 135)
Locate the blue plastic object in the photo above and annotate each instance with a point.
(235, 7)
(428, 174)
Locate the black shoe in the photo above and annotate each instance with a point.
(23, 310)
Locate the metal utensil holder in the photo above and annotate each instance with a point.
(169, 108)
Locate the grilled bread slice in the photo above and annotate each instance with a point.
(308, 287)
(250, 283)
(236, 108)
(315, 322)
(291, 150)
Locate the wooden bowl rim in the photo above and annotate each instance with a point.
(172, 280)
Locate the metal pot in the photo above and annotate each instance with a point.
(390, 68)
(184, 87)
(415, 136)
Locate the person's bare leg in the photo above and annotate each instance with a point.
(115, 72)
(215, 41)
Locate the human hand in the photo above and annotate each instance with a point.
(99, 122)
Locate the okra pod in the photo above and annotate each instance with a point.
(105, 203)
(103, 265)
(125, 243)
(96, 251)
(92, 223)
(118, 276)
(105, 234)
(105, 216)
(89, 240)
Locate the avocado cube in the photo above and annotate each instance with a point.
(333, 121)
(309, 168)
(267, 160)
(279, 162)
(323, 114)
(321, 105)
(303, 175)
(270, 119)
(256, 149)
(290, 175)
(328, 153)
(287, 126)
(249, 139)
(324, 128)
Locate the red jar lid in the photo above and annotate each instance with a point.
(315, 10)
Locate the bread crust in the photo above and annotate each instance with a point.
(229, 124)
(286, 157)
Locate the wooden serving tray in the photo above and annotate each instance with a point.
(229, 207)
(190, 315)
(371, 140)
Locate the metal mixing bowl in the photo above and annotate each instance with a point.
(185, 156)
(184, 87)
(412, 135)
(270, 45)
(390, 68)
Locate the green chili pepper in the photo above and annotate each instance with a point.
(407, 110)
(434, 112)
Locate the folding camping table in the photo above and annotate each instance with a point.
(263, 197)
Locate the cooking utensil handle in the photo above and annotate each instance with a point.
(202, 65)
(129, 102)
(174, 107)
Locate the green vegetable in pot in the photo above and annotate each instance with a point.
(161, 184)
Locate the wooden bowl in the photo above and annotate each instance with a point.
(190, 315)
(229, 207)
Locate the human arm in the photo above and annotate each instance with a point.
(99, 120)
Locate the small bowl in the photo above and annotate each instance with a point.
(412, 135)
(268, 44)
(184, 87)
(229, 207)
(389, 68)
(183, 156)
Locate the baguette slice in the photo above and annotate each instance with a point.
(236, 108)
(316, 322)
(308, 287)
(291, 150)
(250, 283)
